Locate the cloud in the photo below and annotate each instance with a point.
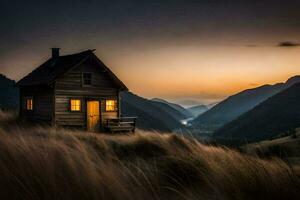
(288, 44)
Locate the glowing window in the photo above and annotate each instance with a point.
(29, 104)
(110, 105)
(75, 104)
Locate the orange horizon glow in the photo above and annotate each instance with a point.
(204, 73)
(207, 73)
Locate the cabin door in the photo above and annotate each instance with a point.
(93, 115)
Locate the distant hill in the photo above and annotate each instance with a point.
(152, 115)
(184, 112)
(276, 115)
(9, 95)
(197, 110)
(237, 104)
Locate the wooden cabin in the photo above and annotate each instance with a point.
(77, 91)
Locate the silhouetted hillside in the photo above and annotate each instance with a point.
(184, 112)
(237, 104)
(9, 95)
(152, 115)
(274, 116)
(197, 110)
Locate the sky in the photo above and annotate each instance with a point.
(184, 51)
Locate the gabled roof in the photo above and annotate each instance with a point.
(49, 71)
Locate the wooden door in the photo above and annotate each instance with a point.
(93, 115)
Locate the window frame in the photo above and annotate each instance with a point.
(26, 104)
(115, 105)
(80, 104)
(83, 79)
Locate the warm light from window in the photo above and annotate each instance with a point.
(110, 105)
(75, 104)
(29, 104)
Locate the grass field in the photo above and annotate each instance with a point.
(287, 148)
(47, 163)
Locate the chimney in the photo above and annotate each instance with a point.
(55, 53)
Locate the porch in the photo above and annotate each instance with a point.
(121, 124)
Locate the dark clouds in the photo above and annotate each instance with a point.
(288, 44)
(280, 44)
(26, 21)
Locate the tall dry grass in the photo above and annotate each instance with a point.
(7, 116)
(44, 163)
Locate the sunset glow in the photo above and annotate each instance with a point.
(205, 73)
(169, 50)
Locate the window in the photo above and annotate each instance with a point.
(75, 104)
(29, 103)
(87, 78)
(110, 105)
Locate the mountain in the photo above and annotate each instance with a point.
(209, 106)
(276, 115)
(152, 115)
(189, 102)
(237, 104)
(9, 95)
(197, 110)
(184, 112)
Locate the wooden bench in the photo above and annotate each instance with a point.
(123, 124)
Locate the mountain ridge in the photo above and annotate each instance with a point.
(9, 95)
(278, 114)
(186, 114)
(239, 103)
(197, 110)
(163, 117)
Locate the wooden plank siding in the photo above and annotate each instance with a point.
(107, 115)
(70, 85)
(42, 103)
